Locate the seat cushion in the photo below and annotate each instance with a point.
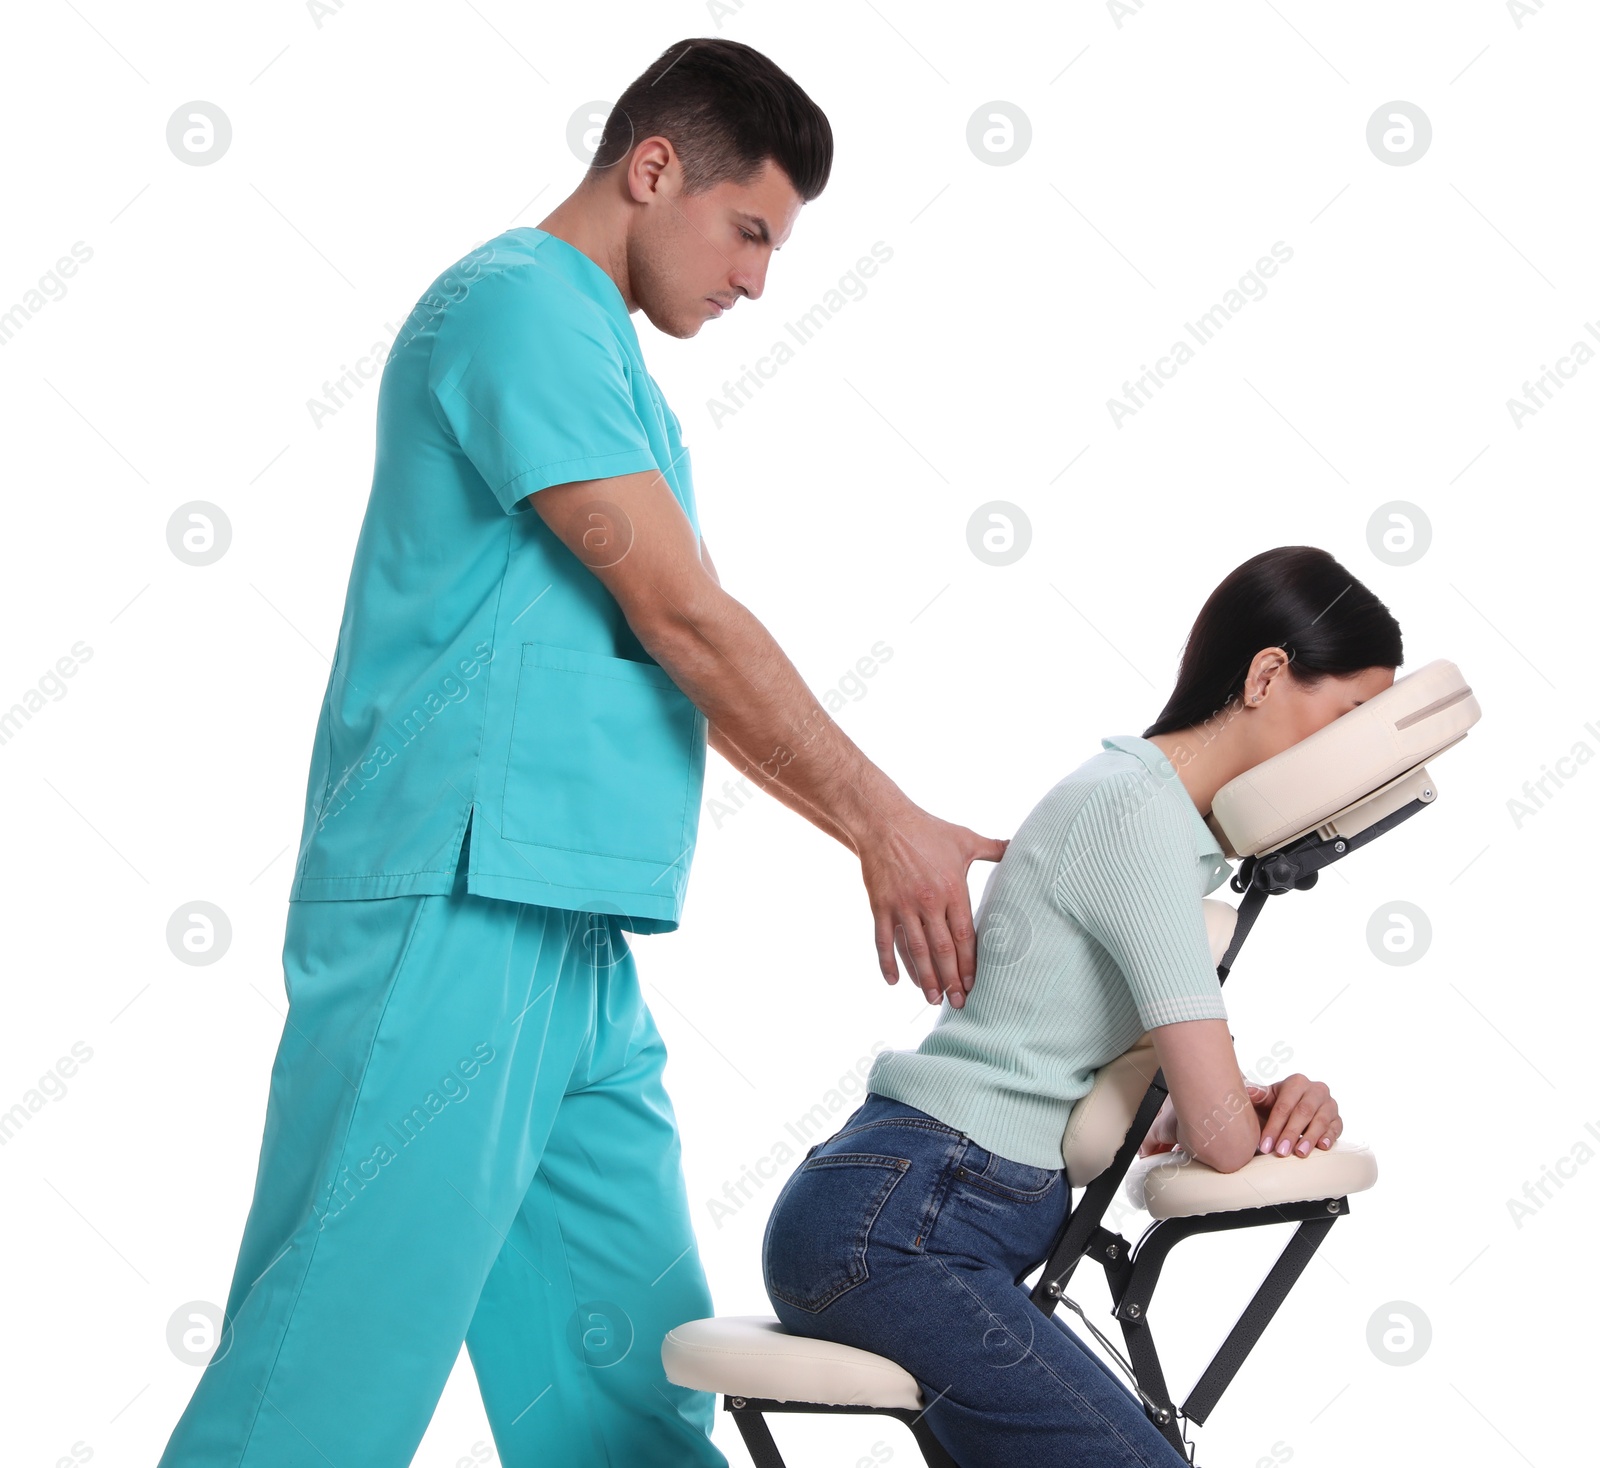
(1175, 1185)
(753, 1356)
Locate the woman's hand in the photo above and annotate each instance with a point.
(1296, 1113)
(1163, 1133)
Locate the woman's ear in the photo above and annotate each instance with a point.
(1266, 665)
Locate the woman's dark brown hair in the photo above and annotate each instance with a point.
(1296, 597)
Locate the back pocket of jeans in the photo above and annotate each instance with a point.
(815, 1247)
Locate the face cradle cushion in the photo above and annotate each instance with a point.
(1313, 804)
(1335, 777)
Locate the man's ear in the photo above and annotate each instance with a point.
(650, 161)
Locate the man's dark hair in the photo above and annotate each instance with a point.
(726, 109)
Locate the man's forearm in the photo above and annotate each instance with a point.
(728, 664)
(792, 798)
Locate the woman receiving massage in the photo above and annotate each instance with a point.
(909, 1231)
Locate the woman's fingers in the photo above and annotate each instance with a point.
(1163, 1133)
(1314, 1130)
(1303, 1114)
(1323, 1131)
(1289, 1134)
(1289, 1115)
(1297, 1115)
(1284, 1096)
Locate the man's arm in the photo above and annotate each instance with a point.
(632, 534)
(746, 767)
(796, 802)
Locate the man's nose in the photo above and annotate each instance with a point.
(750, 282)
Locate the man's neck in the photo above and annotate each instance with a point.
(584, 220)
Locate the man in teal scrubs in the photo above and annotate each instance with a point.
(467, 1137)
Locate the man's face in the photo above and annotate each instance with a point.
(692, 256)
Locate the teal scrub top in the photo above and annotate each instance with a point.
(482, 672)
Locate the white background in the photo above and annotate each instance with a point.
(1169, 152)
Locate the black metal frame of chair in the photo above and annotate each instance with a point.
(748, 1416)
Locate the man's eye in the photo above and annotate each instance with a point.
(745, 234)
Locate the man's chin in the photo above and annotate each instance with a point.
(683, 328)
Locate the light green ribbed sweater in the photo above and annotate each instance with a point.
(1090, 932)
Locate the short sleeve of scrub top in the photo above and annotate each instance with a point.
(530, 377)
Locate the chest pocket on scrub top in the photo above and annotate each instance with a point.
(606, 756)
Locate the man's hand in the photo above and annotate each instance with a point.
(915, 869)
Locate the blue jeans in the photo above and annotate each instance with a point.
(902, 1236)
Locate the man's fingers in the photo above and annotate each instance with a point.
(914, 951)
(907, 938)
(990, 849)
(930, 959)
(965, 939)
(883, 928)
(940, 948)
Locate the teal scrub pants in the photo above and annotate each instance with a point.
(466, 1138)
